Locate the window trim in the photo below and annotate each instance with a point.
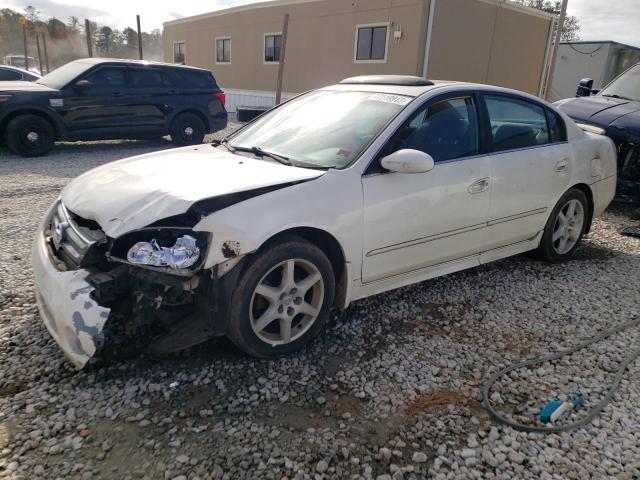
(487, 121)
(264, 48)
(386, 42)
(174, 51)
(215, 43)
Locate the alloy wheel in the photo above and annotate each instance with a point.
(286, 301)
(568, 226)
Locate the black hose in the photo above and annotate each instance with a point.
(592, 413)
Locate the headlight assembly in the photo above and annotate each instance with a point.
(173, 250)
(183, 254)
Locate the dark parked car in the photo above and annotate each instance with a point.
(103, 99)
(616, 109)
(9, 73)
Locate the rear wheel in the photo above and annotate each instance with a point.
(565, 227)
(282, 299)
(187, 129)
(30, 135)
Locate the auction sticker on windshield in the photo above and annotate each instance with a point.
(387, 98)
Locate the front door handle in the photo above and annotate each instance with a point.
(562, 166)
(117, 94)
(479, 186)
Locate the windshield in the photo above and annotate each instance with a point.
(324, 128)
(626, 85)
(64, 74)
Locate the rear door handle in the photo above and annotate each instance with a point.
(562, 166)
(117, 94)
(479, 186)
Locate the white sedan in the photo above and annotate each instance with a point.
(338, 194)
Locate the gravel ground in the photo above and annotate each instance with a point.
(391, 389)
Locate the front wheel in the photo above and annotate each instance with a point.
(282, 299)
(565, 227)
(187, 129)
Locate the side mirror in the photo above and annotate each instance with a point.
(408, 161)
(584, 87)
(82, 86)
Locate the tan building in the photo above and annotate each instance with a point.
(486, 41)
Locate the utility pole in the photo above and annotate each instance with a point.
(139, 37)
(87, 33)
(23, 21)
(46, 56)
(39, 53)
(283, 48)
(556, 43)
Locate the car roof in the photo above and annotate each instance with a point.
(409, 86)
(128, 61)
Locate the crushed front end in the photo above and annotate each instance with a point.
(94, 301)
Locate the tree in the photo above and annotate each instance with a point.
(73, 24)
(571, 27)
(104, 39)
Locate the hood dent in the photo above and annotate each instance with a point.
(140, 191)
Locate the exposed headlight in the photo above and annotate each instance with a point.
(183, 254)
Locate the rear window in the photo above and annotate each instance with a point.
(196, 78)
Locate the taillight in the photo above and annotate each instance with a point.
(221, 96)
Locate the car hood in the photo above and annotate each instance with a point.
(132, 193)
(23, 86)
(598, 110)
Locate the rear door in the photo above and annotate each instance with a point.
(530, 162)
(154, 96)
(102, 109)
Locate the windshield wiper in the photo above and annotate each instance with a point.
(615, 95)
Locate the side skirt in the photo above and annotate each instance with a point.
(408, 278)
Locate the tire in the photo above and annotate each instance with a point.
(560, 240)
(30, 135)
(263, 288)
(187, 129)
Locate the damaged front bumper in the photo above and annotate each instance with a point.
(73, 318)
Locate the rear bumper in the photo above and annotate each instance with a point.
(73, 318)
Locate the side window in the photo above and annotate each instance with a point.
(371, 43)
(107, 78)
(272, 47)
(148, 78)
(10, 75)
(178, 53)
(557, 129)
(195, 78)
(223, 50)
(446, 130)
(516, 123)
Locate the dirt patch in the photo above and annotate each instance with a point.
(436, 399)
(9, 389)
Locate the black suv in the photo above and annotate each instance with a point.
(106, 99)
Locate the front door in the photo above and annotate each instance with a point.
(531, 162)
(414, 221)
(102, 106)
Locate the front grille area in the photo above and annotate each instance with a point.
(629, 161)
(75, 241)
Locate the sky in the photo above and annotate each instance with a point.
(598, 19)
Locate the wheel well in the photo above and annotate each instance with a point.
(584, 188)
(197, 113)
(5, 121)
(331, 248)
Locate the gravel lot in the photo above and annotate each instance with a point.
(390, 390)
